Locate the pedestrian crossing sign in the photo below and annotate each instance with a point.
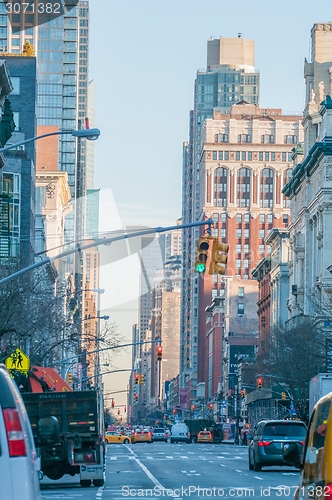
(18, 360)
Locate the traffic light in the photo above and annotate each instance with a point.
(159, 353)
(113, 404)
(136, 397)
(69, 378)
(283, 395)
(243, 393)
(192, 407)
(118, 412)
(211, 406)
(218, 258)
(259, 383)
(141, 379)
(136, 378)
(202, 254)
(125, 409)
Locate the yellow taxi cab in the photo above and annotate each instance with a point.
(204, 437)
(115, 437)
(316, 462)
(142, 436)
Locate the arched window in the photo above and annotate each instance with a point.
(243, 187)
(220, 186)
(266, 188)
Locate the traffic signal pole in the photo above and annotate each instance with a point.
(104, 241)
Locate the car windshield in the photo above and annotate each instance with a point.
(286, 430)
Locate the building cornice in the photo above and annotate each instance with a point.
(308, 166)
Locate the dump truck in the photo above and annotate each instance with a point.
(81, 448)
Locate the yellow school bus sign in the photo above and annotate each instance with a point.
(18, 360)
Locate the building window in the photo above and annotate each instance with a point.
(222, 217)
(246, 263)
(238, 233)
(16, 81)
(215, 217)
(249, 155)
(246, 218)
(214, 293)
(16, 120)
(214, 155)
(260, 156)
(243, 155)
(238, 248)
(267, 139)
(290, 156)
(241, 291)
(237, 155)
(222, 137)
(244, 138)
(246, 233)
(285, 219)
(226, 155)
(261, 233)
(222, 233)
(215, 233)
(240, 308)
(239, 218)
(262, 218)
(261, 248)
(220, 155)
(238, 263)
(214, 278)
(290, 139)
(246, 248)
(269, 218)
(273, 157)
(267, 156)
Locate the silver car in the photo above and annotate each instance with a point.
(19, 463)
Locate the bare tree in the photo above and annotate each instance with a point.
(296, 355)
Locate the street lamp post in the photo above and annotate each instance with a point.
(91, 134)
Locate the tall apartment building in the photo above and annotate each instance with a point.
(246, 160)
(230, 77)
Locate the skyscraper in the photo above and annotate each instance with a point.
(230, 77)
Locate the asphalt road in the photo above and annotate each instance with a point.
(178, 471)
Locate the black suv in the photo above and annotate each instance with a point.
(265, 447)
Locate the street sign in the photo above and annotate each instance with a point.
(18, 360)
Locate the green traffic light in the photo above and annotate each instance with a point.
(200, 268)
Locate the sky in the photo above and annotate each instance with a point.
(144, 56)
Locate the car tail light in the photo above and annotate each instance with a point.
(210, 435)
(15, 435)
(188, 434)
(302, 442)
(264, 443)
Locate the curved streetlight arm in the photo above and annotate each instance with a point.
(85, 379)
(90, 134)
(104, 241)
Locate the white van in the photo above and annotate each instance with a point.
(19, 463)
(180, 433)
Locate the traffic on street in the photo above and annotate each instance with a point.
(178, 471)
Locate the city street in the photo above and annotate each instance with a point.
(179, 471)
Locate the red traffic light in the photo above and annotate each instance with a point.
(159, 353)
(211, 406)
(259, 383)
(136, 378)
(136, 397)
(113, 404)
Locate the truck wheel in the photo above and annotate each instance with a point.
(85, 483)
(98, 482)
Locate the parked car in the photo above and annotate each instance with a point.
(116, 437)
(159, 434)
(180, 433)
(141, 436)
(204, 437)
(19, 463)
(315, 462)
(266, 445)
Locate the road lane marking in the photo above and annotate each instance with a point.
(257, 477)
(237, 470)
(184, 456)
(146, 470)
(222, 465)
(113, 458)
(169, 456)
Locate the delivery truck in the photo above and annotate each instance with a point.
(320, 385)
